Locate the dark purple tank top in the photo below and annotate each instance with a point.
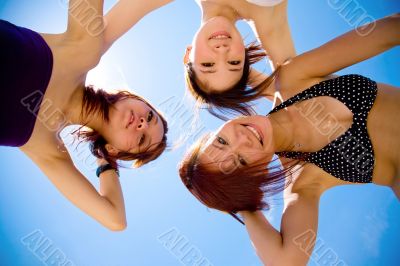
(26, 64)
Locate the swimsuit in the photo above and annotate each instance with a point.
(26, 64)
(265, 2)
(350, 157)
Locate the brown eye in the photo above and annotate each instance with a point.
(234, 63)
(207, 64)
(221, 141)
(150, 116)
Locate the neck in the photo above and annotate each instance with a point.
(210, 10)
(283, 128)
(75, 116)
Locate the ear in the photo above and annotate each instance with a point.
(111, 149)
(187, 54)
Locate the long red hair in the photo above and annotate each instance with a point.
(243, 189)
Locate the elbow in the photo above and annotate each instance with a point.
(117, 223)
(283, 259)
(117, 226)
(282, 262)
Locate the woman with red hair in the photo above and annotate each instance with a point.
(43, 74)
(332, 130)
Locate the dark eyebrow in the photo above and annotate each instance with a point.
(156, 120)
(208, 71)
(216, 146)
(148, 138)
(214, 71)
(148, 142)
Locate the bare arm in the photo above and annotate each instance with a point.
(294, 243)
(348, 49)
(125, 14)
(272, 29)
(107, 207)
(85, 18)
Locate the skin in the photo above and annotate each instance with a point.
(145, 130)
(218, 63)
(64, 93)
(282, 130)
(269, 24)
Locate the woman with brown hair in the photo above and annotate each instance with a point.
(43, 77)
(219, 70)
(331, 131)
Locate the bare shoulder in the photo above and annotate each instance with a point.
(74, 53)
(303, 180)
(44, 154)
(293, 81)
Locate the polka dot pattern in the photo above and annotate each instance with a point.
(349, 157)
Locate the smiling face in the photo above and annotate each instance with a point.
(133, 127)
(217, 55)
(239, 143)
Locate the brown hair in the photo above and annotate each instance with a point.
(235, 100)
(100, 101)
(243, 189)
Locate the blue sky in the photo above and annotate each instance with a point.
(166, 225)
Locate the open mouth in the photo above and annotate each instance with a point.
(220, 35)
(256, 132)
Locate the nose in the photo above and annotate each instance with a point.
(221, 47)
(142, 125)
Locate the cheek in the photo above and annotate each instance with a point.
(198, 54)
(238, 48)
(120, 140)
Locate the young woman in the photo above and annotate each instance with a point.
(218, 65)
(331, 131)
(43, 77)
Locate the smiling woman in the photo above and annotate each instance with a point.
(217, 55)
(218, 64)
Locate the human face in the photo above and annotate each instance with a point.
(133, 127)
(217, 55)
(240, 142)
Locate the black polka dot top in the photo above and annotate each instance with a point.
(349, 157)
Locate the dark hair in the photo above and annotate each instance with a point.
(100, 101)
(243, 189)
(235, 100)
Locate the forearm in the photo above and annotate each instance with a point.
(82, 14)
(110, 189)
(393, 30)
(265, 238)
(351, 48)
(271, 26)
(125, 14)
(278, 44)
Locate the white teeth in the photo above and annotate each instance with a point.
(220, 37)
(255, 132)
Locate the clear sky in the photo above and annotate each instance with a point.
(166, 226)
